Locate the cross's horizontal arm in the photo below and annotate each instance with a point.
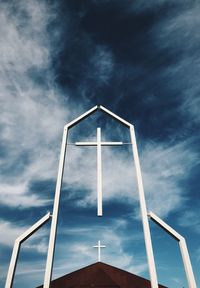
(95, 143)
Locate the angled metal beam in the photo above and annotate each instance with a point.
(145, 222)
(183, 248)
(121, 120)
(81, 117)
(16, 248)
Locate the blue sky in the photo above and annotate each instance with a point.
(140, 59)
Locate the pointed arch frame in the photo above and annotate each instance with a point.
(146, 228)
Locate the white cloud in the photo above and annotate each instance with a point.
(33, 114)
(12, 232)
(178, 33)
(17, 196)
(81, 174)
(163, 169)
(40, 247)
(190, 219)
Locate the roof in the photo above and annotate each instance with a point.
(101, 275)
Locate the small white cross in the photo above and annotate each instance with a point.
(99, 165)
(99, 246)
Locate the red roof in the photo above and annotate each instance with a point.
(100, 275)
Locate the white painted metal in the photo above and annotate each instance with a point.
(99, 246)
(183, 248)
(95, 143)
(164, 226)
(16, 248)
(127, 124)
(52, 238)
(145, 222)
(99, 165)
(187, 264)
(99, 173)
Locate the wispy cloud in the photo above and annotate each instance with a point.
(163, 166)
(190, 219)
(178, 34)
(12, 232)
(33, 111)
(32, 127)
(40, 247)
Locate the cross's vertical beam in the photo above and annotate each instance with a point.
(145, 222)
(99, 174)
(52, 238)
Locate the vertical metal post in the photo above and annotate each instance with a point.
(145, 222)
(52, 238)
(13, 263)
(99, 173)
(187, 263)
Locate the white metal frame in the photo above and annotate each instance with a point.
(183, 248)
(147, 235)
(16, 248)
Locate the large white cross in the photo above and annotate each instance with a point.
(99, 165)
(99, 246)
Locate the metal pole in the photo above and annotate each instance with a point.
(145, 222)
(52, 238)
(187, 264)
(13, 264)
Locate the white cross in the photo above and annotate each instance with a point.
(99, 165)
(99, 246)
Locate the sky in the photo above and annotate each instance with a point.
(139, 59)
